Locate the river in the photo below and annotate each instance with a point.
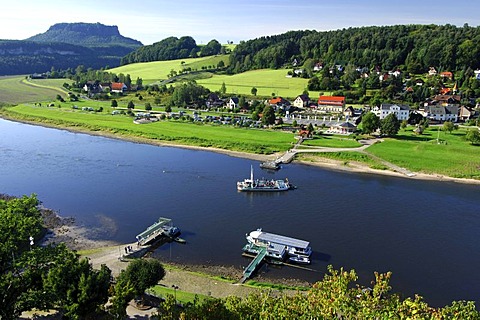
(425, 232)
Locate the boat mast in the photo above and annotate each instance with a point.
(251, 172)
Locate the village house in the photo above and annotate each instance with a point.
(351, 112)
(331, 104)
(432, 71)
(301, 101)
(446, 74)
(119, 87)
(279, 103)
(441, 113)
(445, 100)
(343, 128)
(213, 101)
(232, 104)
(401, 111)
(465, 113)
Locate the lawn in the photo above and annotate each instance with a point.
(331, 142)
(178, 132)
(151, 72)
(267, 82)
(453, 156)
(181, 296)
(17, 89)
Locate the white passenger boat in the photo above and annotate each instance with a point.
(253, 185)
(294, 247)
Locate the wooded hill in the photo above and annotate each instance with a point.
(173, 48)
(412, 47)
(66, 45)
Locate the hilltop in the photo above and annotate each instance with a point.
(66, 45)
(85, 34)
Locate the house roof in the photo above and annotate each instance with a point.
(335, 100)
(234, 100)
(388, 106)
(304, 97)
(275, 100)
(347, 125)
(446, 74)
(442, 97)
(118, 85)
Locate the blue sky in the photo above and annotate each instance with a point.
(153, 20)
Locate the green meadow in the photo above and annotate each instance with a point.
(451, 155)
(151, 72)
(17, 89)
(268, 82)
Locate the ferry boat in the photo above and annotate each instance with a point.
(298, 251)
(262, 184)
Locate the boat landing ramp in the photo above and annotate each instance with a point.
(250, 269)
(162, 228)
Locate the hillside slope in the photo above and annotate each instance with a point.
(66, 45)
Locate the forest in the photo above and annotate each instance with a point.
(172, 48)
(414, 48)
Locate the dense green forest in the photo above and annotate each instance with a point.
(415, 48)
(172, 48)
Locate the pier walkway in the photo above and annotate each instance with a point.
(247, 272)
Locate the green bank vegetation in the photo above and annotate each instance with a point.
(178, 132)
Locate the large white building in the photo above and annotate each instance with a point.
(400, 110)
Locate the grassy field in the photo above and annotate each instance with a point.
(266, 81)
(178, 132)
(151, 72)
(331, 142)
(17, 89)
(453, 156)
(181, 296)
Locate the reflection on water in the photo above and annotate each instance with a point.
(425, 232)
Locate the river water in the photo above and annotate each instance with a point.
(425, 232)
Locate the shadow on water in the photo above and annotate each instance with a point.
(320, 256)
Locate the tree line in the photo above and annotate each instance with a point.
(412, 47)
(173, 48)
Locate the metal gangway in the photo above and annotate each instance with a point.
(250, 269)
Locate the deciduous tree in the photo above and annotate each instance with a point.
(390, 125)
(370, 123)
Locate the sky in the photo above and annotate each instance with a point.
(150, 21)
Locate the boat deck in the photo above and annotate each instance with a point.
(282, 240)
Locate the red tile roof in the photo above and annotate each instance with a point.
(117, 85)
(276, 100)
(331, 100)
